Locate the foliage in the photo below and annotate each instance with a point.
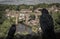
(34, 29)
(4, 28)
(56, 17)
(2, 7)
(23, 6)
(32, 17)
(2, 16)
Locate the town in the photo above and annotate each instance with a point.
(26, 18)
(29, 17)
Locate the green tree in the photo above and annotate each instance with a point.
(32, 17)
(56, 17)
(4, 28)
(2, 16)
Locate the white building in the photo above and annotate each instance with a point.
(21, 16)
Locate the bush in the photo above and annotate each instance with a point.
(56, 19)
(4, 28)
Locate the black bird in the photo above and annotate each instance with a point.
(11, 32)
(47, 24)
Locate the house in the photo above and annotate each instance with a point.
(21, 16)
(54, 8)
(37, 10)
(25, 11)
(11, 13)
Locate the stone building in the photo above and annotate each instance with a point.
(24, 14)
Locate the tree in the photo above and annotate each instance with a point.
(4, 28)
(2, 16)
(32, 17)
(56, 17)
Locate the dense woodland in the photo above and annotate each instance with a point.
(5, 23)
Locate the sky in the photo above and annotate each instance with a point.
(28, 2)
